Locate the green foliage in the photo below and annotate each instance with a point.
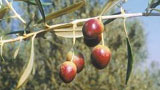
(51, 52)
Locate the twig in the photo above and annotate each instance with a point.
(16, 14)
(70, 24)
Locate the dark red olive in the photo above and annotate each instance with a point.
(77, 59)
(92, 28)
(100, 56)
(68, 71)
(91, 42)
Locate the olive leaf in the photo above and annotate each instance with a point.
(68, 32)
(38, 2)
(17, 50)
(153, 3)
(150, 2)
(29, 67)
(111, 20)
(66, 25)
(109, 4)
(3, 11)
(64, 11)
(19, 32)
(32, 2)
(129, 50)
(158, 10)
(130, 59)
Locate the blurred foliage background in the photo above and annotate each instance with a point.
(51, 52)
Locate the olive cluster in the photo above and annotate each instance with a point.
(100, 55)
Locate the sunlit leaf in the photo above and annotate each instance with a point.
(29, 67)
(68, 32)
(3, 11)
(130, 60)
(38, 2)
(64, 11)
(109, 4)
(32, 2)
(17, 50)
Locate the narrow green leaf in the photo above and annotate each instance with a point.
(3, 11)
(130, 59)
(111, 20)
(28, 1)
(129, 50)
(109, 5)
(68, 32)
(155, 4)
(38, 2)
(27, 29)
(19, 32)
(66, 25)
(151, 5)
(64, 11)
(32, 2)
(29, 67)
(150, 2)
